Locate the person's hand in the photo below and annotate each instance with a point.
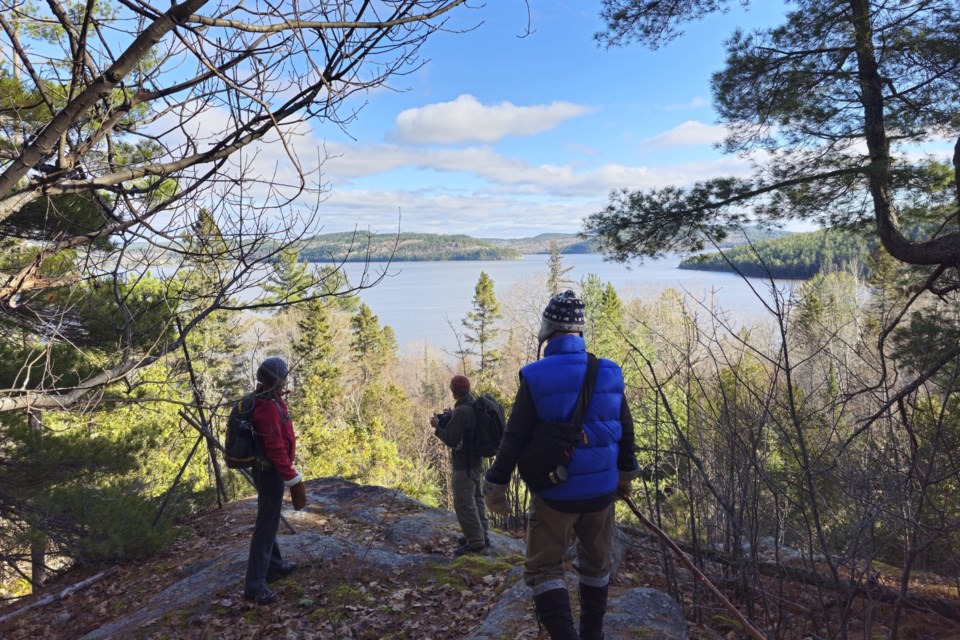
(434, 422)
(624, 482)
(298, 496)
(495, 497)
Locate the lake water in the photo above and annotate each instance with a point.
(420, 300)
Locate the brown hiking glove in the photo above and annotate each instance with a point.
(495, 497)
(298, 495)
(624, 481)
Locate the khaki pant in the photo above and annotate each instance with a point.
(468, 505)
(548, 538)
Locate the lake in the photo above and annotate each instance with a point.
(420, 300)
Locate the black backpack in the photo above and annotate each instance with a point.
(240, 447)
(490, 425)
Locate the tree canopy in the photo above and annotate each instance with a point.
(833, 105)
(124, 122)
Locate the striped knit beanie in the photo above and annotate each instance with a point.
(564, 313)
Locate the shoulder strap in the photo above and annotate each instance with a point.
(586, 392)
(245, 404)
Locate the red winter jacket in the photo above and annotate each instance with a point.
(277, 440)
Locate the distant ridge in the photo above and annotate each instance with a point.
(360, 246)
(566, 242)
(798, 256)
(363, 246)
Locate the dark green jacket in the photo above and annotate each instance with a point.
(456, 434)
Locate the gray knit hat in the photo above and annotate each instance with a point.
(271, 371)
(564, 312)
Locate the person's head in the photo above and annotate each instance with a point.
(272, 374)
(459, 386)
(563, 314)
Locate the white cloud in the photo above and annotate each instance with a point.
(516, 175)
(484, 193)
(466, 119)
(513, 199)
(691, 132)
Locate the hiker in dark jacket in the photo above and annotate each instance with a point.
(271, 475)
(602, 466)
(467, 468)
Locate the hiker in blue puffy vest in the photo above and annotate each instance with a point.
(602, 466)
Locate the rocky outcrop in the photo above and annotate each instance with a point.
(373, 561)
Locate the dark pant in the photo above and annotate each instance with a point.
(469, 506)
(264, 551)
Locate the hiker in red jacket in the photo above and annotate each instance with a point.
(272, 473)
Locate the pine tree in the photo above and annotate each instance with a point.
(373, 348)
(317, 385)
(556, 282)
(290, 278)
(480, 323)
(604, 318)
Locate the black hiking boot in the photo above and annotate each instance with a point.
(593, 604)
(466, 549)
(264, 596)
(282, 571)
(461, 541)
(553, 612)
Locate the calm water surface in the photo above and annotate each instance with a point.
(417, 299)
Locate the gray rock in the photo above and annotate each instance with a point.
(645, 611)
(393, 531)
(226, 572)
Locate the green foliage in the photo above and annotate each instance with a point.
(481, 326)
(90, 335)
(556, 282)
(58, 216)
(90, 483)
(361, 247)
(373, 347)
(116, 521)
(839, 95)
(361, 453)
(797, 256)
(332, 282)
(291, 279)
(604, 314)
(318, 386)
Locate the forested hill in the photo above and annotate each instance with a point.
(795, 256)
(360, 246)
(356, 247)
(542, 243)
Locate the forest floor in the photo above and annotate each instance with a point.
(332, 598)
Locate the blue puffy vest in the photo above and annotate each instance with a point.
(554, 384)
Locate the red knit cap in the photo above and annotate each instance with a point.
(460, 385)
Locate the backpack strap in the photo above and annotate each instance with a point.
(586, 392)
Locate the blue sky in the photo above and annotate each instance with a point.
(502, 134)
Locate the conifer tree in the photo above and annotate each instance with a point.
(317, 385)
(556, 282)
(290, 279)
(841, 95)
(481, 325)
(373, 347)
(604, 318)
